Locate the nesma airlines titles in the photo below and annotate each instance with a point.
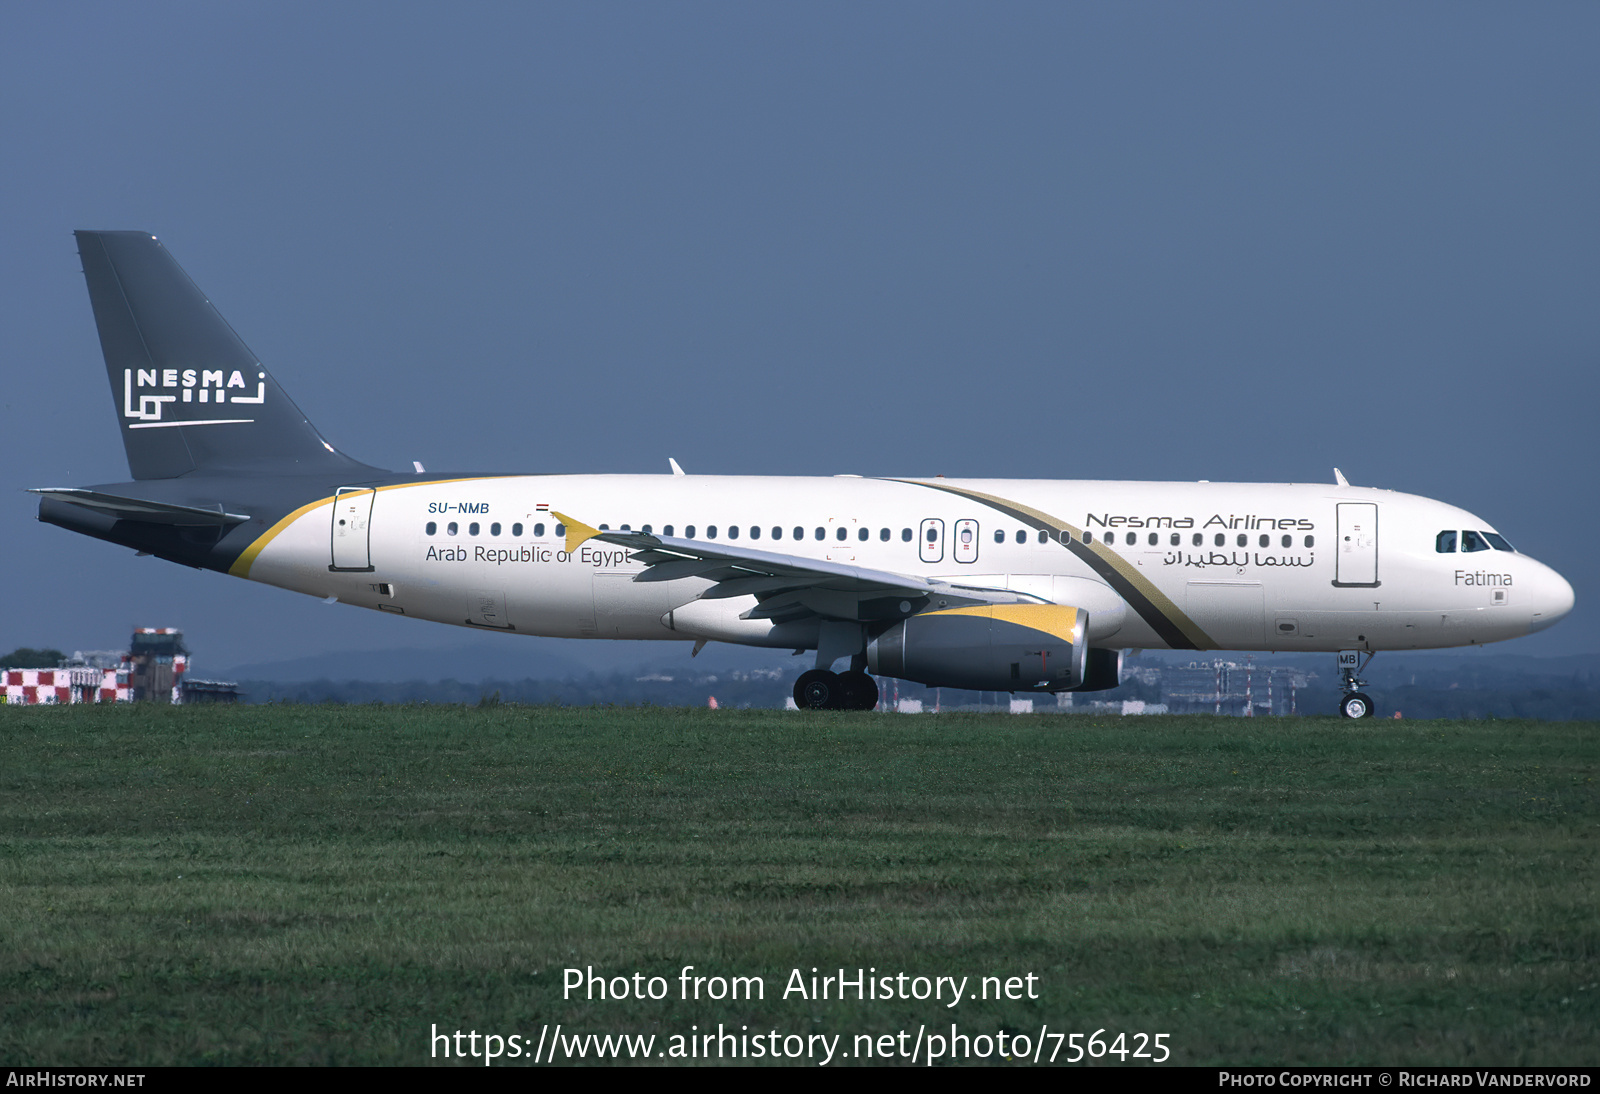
(1009, 585)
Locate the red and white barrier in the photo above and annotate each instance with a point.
(33, 686)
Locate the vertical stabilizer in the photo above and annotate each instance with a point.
(190, 396)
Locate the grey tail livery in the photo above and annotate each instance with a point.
(190, 396)
(218, 452)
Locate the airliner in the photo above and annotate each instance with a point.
(1013, 585)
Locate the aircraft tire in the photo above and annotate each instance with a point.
(860, 691)
(1355, 705)
(818, 689)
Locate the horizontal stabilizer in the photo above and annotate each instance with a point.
(150, 512)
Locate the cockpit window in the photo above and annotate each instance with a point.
(1445, 542)
(1473, 541)
(1498, 542)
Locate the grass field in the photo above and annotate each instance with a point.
(292, 884)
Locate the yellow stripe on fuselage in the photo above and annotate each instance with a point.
(247, 557)
(1154, 600)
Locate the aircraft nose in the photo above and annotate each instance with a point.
(1553, 599)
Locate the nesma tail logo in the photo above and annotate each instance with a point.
(188, 385)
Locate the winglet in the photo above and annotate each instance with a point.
(1338, 477)
(578, 533)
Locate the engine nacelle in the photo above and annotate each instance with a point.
(992, 647)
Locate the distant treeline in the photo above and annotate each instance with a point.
(26, 657)
(1476, 690)
(593, 690)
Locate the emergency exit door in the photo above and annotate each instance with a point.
(352, 528)
(1356, 547)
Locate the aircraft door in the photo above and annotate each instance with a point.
(966, 548)
(352, 528)
(1356, 557)
(930, 539)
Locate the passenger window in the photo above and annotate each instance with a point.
(605, 527)
(1176, 539)
(755, 531)
(1088, 537)
(1199, 539)
(1110, 537)
(1266, 541)
(452, 528)
(840, 534)
(999, 536)
(645, 529)
(1445, 542)
(1131, 538)
(822, 533)
(777, 533)
(1243, 540)
(933, 534)
(627, 528)
(905, 535)
(472, 529)
(711, 531)
(862, 535)
(1154, 539)
(516, 530)
(733, 531)
(494, 529)
(799, 532)
(1044, 537)
(561, 530)
(1473, 541)
(1022, 537)
(666, 529)
(1288, 541)
(1498, 542)
(688, 533)
(1311, 541)
(432, 528)
(1221, 539)
(883, 535)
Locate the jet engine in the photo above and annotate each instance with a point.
(993, 647)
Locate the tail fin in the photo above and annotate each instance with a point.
(190, 395)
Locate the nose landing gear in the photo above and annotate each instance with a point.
(1356, 703)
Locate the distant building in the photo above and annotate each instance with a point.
(153, 669)
(1231, 687)
(208, 691)
(158, 659)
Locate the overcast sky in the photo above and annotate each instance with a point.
(1161, 241)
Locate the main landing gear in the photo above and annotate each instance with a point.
(1356, 703)
(820, 689)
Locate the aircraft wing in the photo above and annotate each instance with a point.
(789, 587)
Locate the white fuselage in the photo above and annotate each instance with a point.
(1229, 566)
